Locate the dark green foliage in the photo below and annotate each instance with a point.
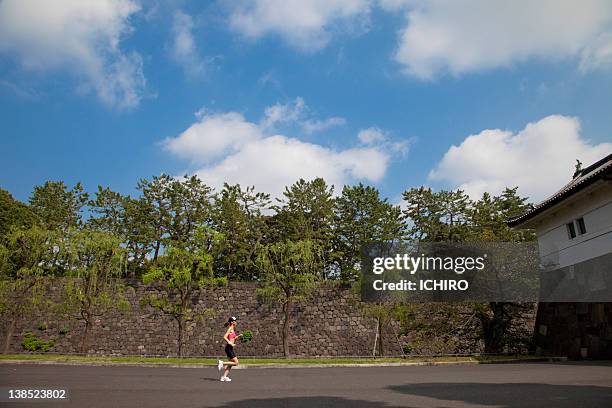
(14, 214)
(238, 216)
(28, 258)
(179, 274)
(246, 336)
(93, 290)
(289, 275)
(57, 207)
(362, 217)
(306, 213)
(450, 216)
(33, 343)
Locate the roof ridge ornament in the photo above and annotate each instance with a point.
(577, 169)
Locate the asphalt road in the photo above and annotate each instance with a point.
(556, 385)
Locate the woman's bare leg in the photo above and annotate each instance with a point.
(229, 364)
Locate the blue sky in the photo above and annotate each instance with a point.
(264, 92)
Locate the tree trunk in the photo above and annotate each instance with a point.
(287, 310)
(495, 329)
(9, 334)
(180, 338)
(380, 337)
(85, 337)
(157, 247)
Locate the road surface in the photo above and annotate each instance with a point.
(572, 384)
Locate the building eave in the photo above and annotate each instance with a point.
(601, 170)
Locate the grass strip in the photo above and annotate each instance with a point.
(258, 361)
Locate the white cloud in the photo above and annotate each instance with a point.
(297, 112)
(283, 113)
(458, 37)
(80, 36)
(213, 135)
(312, 126)
(304, 24)
(371, 135)
(229, 148)
(539, 159)
(598, 54)
(184, 50)
(273, 162)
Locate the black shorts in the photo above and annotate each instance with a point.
(229, 350)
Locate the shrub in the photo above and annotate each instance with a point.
(407, 348)
(63, 330)
(33, 343)
(42, 326)
(247, 336)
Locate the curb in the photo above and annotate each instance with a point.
(265, 366)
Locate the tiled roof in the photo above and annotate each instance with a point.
(584, 178)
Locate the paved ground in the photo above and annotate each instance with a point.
(504, 385)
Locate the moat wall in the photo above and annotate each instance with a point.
(331, 323)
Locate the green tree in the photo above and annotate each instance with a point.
(14, 213)
(140, 233)
(27, 258)
(289, 275)
(57, 207)
(190, 208)
(94, 260)
(238, 215)
(178, 275)
(307, 213)
(450, 216)
(488, 223)
(155, 199)
(107, 211)
(437, 216)
(362, 219)
(176, 209)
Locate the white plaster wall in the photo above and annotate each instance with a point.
(595, 206)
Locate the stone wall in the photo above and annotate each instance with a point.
(329, 324)
(576, 330)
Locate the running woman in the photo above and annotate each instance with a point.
(230, 338)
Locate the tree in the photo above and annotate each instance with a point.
(57, 207)
(140, 231)
(437, 216)
(307, 213)
(450, 216)
(488, 223)
(14, 213)
(176, 209)
(289, 275)
(107, 212)
(94, 260)
(238, 215)
(178, 275)
(362, 219)
(155, 199)
(27, 258)
(190, 208)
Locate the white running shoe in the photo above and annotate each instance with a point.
(223, 379)
(220, 365)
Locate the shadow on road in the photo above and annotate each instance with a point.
(307, 402)
(513, 395)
